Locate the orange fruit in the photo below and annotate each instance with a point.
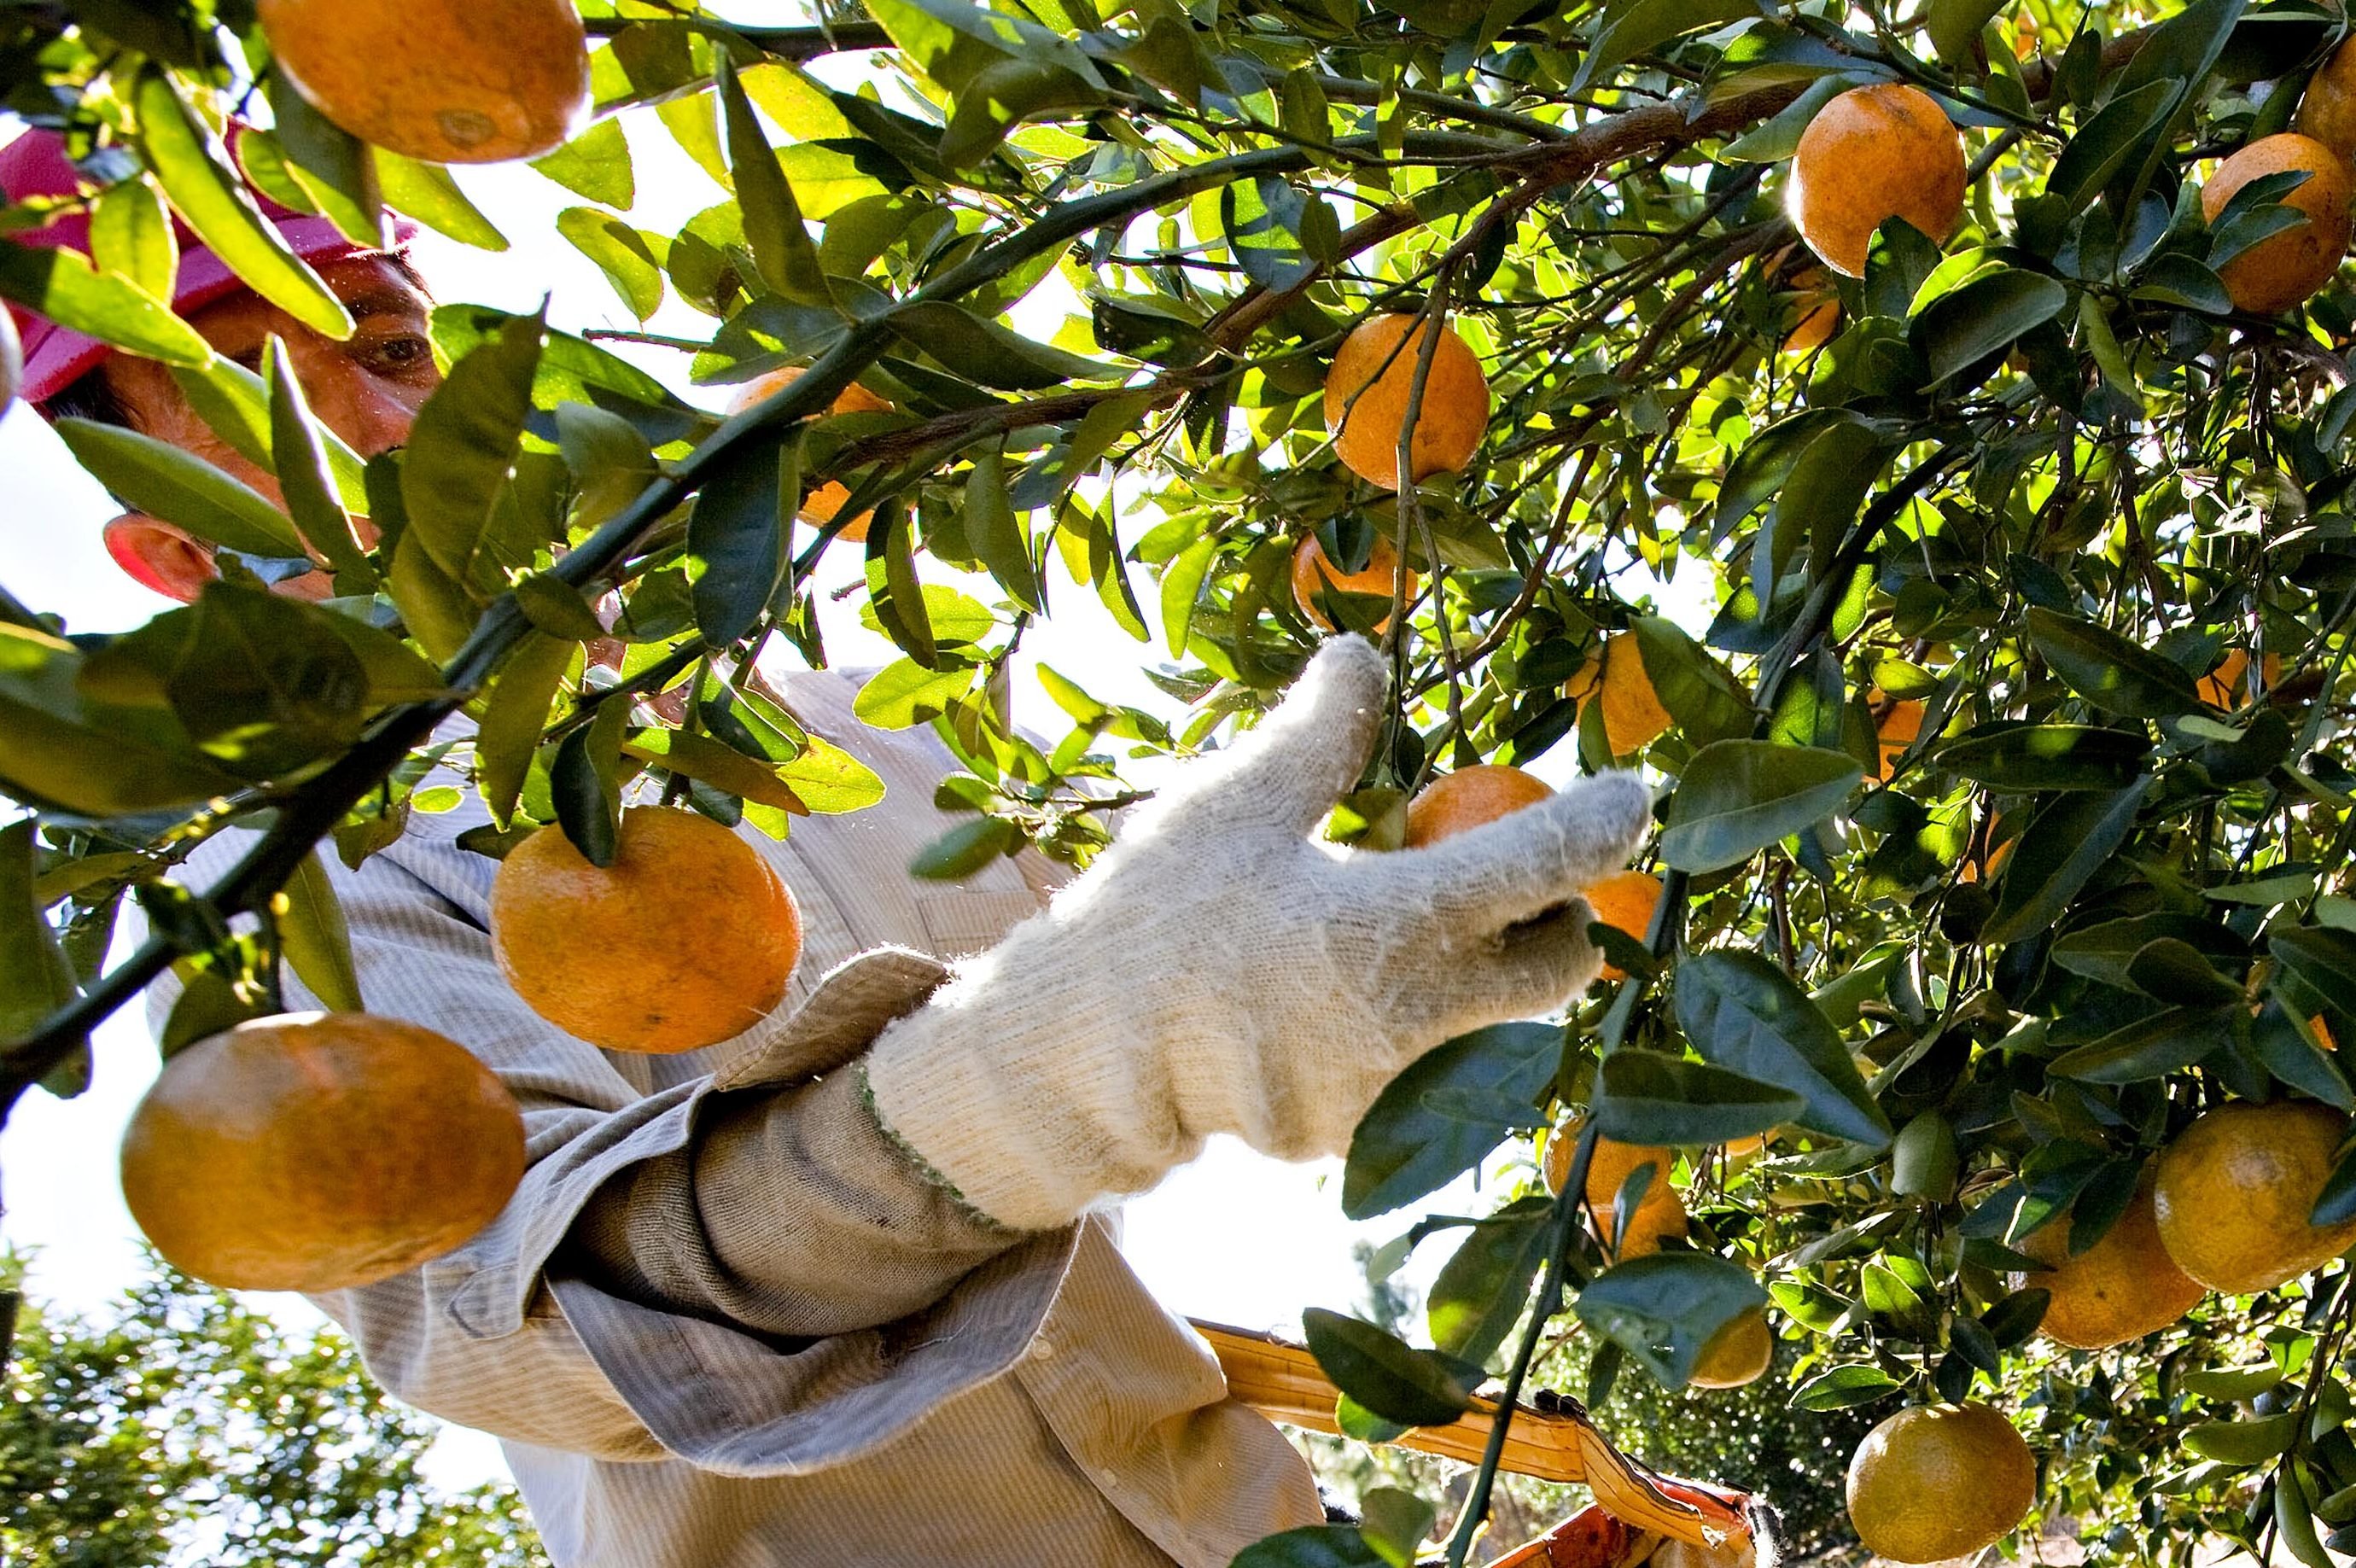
(1313, 575)
(2284, 269)
(1737, 1354)
(1615, 675)
(688, 938)
(450, 81)
(1938, 1481)
(821, 504)
(1467, 798)
(1870, 155)
(319, 1151)
(2322, 1032)
(1819, 312)
(2327, 109)
(2227, 686)
(2235, 1190)
(1660, 1214)
(1367, 394)
(1896, 731)
(1989, 855)
(2122, 1288)
(1624, 901)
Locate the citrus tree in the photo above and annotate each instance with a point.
(1975, 366)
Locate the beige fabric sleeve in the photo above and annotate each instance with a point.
(738, 1268)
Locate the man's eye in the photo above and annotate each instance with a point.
(400, 353)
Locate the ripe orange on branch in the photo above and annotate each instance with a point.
(686, 939)
(2227, 686)
(2282, 270)
(1468, 798)
(1624, 901)
(1897, 730)
(2235, 1190)
(2121, 1289)
(1938, 1481)
(1737, 1354)
(449, 82)
(1870, 155)
(2327, 109)
(319, 1151)
(1659, 1214)
(1368, 388)
(1615, 677)
(1315, 575)
(821, 504)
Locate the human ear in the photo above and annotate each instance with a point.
(160, 557)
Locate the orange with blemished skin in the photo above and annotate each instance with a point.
(1737, 1354)
(2235, 1189)
(1313, 574)
(449, 82)
(1468, 798)
(687, 939)
(821, 504)
(2282, 270)
(2121, 1289)
(1624, 901)
(1367, 395)
(1870, 155)
(319, 1151)
(1938, 1481)
(2327, 109)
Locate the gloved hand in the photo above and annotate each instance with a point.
(1217, 971)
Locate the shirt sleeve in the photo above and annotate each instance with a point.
(741, 1270)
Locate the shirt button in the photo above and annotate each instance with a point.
(1043, 1350)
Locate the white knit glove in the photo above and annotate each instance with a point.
(1217, 971)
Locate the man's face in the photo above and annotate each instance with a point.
(367, 389)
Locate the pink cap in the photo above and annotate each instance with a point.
(35, 165)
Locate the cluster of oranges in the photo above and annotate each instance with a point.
(355, 1146)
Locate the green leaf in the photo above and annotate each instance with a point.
(707, 761)
(1395, 1523)
(1411, 1141)
(60, 284)
(1954, 28)
(514, 716)
(596, 165)
(461, 451)
(997, 533)
(1843, 1387)
(317, 940)
(427, 193)
(1262, 220)
(987, 353)
(1001, 96)
(829, 780)
(2120, 130)
(1650, 1098)
(1983, 318)
(556, 607)
(782, 252)
(334, 168)
(131, 236)
(621, 252)
(2008, 755)
(1311, 1546)
(1482, 1290)
(1736, 797)
(192, 167)
(894, 591)
(234, 402)
(1744, 1013)
(738, 535)
(2149, 1047)
(165, 482)
(2109, 670)
(904, 692)
(1389, 1377)
(1634, 30)
(59, 747)
(300, 461)
(967, 849)
(2171, 970)
(2322, 957)
(585, 782)
(1662, 1309)
(2250, 1442)
(2065, 845)
(35, 979)
(952, 42)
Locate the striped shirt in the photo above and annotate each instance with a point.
(724, 1323)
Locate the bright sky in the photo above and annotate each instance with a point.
(1234, 1238)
